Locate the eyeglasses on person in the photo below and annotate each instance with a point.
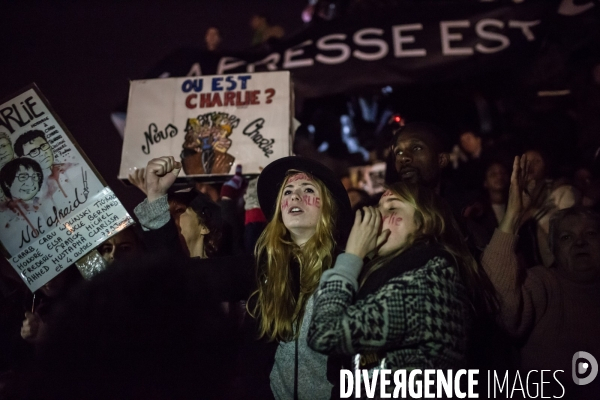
(36, 152)
(36, 176)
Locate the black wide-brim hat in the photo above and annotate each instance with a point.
(272, 177)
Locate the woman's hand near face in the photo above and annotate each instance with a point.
(364, 236)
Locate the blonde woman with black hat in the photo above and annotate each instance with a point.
(308, 212)
(309, 217)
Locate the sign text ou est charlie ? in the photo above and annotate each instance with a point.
(209, 123)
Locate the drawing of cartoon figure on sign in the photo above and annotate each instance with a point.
(6, 149)
(34, 145)
(206, 144)
(6, 154)
(21, 179)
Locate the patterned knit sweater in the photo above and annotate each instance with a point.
(415, 316)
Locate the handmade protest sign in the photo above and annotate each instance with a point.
(210, 123)
(54, 206)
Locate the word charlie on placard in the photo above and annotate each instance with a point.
(223, 92)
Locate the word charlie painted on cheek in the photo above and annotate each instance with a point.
(392, 219)
(311, 201)
(223, 92)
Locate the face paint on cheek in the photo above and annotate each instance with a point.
(298, 177)
(312, 201)
(284, 205)
(386, 193)
(392, 220)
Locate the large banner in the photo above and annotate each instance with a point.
(410, 43)
(54, 207)
(416, 42)
(209, 123)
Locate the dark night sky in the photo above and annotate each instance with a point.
(83, 54)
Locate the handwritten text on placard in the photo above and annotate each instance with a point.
(47, 256)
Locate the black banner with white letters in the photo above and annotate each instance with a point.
(425, 41)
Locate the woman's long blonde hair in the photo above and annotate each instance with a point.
(436, 225)
(280, 313)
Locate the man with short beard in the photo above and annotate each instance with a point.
(420, 154)
(420, 151)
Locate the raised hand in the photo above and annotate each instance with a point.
(365, 236)
(519, 199)
(161, 173)
(138, 179)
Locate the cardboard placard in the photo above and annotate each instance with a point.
(53, 204)
(209, 123)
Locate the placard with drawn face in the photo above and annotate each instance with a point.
(209, 123)
(45, 181)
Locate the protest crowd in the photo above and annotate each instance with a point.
(388, 238)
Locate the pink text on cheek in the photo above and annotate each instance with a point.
(392, 219)
(298, 177)
(386, 193)
(284, 205)
(312, 201)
